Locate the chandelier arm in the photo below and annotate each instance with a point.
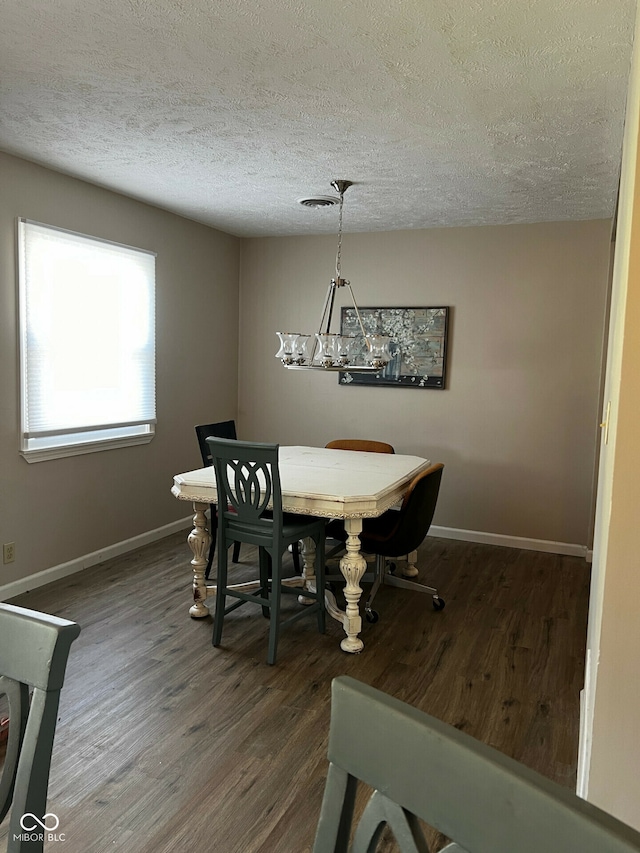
(327, 309)
(332, 287)
(357, 310)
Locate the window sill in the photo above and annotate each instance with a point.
(44, 454)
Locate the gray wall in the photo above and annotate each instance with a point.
(59, 510)
(517, 425)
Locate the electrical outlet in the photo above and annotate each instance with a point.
(8, 552)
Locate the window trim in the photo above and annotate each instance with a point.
(43, 454)
(90, 445)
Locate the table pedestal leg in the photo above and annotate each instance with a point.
(199, 541)
(353, 566)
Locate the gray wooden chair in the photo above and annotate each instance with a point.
(248, 485)
(34, 648)
(423, 769)
(225, 429)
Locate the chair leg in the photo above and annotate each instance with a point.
(235, 557)
(274, 605)
(213, 532)
(295, 554)
(265, 565)
(220, 594)
(392, 580)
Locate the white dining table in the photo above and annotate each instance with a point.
(351, 485)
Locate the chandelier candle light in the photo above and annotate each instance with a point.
(327, 351)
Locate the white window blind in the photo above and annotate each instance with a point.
(87, 316)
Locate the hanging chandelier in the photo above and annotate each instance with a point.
(329, 351)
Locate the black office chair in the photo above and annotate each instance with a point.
(248, 481)
(34, 648)
(223, 429)
(398, 532)
(422, 768)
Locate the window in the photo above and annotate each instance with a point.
(87, 335)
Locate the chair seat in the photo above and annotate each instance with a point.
(295, 525)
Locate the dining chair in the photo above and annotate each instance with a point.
(398, 532)
(34, 648)
(422, 769)
(248, 484)
(223, 429)
(226, 429)
(362, 444)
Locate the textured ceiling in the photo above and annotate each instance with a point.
(443, 112)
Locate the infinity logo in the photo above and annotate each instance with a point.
(24, 820)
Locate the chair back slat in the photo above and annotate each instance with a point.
(248, 487)
(17, 696)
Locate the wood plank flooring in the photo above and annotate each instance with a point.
(167, 744)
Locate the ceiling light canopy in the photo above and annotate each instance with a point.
(327, 350)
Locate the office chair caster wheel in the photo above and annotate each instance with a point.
(438, 603)
(371, 616)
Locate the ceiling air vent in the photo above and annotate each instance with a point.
(319, 201)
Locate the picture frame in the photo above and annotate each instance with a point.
(418, 346)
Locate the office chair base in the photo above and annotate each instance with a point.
(392, 580)
(379, 577)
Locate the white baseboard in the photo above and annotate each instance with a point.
(55, 572)
(510, 541)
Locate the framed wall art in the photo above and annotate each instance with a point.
(418, 346)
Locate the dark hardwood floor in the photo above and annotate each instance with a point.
(167, 744)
